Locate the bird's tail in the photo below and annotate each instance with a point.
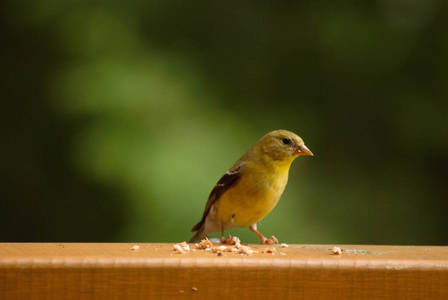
(199, 236)
(200, 232)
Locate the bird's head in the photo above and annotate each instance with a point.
(283, 145)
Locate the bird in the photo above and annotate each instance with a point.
(252, 187)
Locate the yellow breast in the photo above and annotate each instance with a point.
(252, 198)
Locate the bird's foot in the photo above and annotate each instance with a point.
(227, 240)
(269, 241)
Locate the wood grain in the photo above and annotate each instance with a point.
(115, 271)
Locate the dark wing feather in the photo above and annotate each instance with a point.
(223, 185)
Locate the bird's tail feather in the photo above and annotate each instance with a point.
(199, 235)
(199, 225)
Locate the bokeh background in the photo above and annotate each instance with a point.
(118, 117)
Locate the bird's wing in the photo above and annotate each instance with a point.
(223, 185)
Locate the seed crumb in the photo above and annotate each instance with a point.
(204, 244)
(181, 248)
(337, 251)
(269, 250)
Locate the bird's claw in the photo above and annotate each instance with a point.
(227, 240)
(269, 241)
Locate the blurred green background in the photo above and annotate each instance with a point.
(118, 117)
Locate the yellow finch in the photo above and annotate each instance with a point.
(252, 187)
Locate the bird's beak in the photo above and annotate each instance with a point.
(303, 150)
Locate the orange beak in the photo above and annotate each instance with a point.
(303, 150)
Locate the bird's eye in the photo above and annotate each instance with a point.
(286, 141)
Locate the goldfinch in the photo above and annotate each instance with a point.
(252, 186)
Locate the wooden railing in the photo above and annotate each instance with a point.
(153, 271)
